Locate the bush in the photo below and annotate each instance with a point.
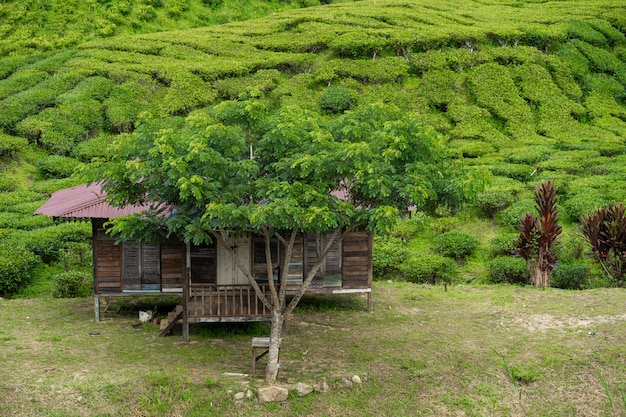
(503, 244)
(507, 269)
(513, 215)
(570, 276)
(456, 245)
(336, 100)
(72, 284)
(493, 201)
(47, 242)
(16, 263)
(56, 166)
(426, 268)
(11, 145)
(387, 257)
(583, 202)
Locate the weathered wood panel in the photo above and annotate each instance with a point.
(107, 263)
(173, 269)
(329, 274)
(357, 260)
(204, 263)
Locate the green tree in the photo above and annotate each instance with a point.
(276, 175)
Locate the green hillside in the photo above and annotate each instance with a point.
(526, 90)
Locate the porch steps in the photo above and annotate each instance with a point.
(172, 318)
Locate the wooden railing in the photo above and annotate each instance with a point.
(210, 300)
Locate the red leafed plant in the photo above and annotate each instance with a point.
(538, 235)
(605, 229)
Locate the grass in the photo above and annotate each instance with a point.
(473, 350)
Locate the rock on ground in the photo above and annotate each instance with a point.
(272, 394)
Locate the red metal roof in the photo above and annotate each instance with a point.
(84, 201)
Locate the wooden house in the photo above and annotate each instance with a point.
(211, 286)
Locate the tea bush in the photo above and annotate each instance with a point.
(72, 284)
(509, 270)
(455, 244)
(492, 202)
(11, 145)
(503, 244)
(56, 166)
(428, 268)
(387, 258)
(47, 242)
(513, 215)
(16, 264)
(336, 100)
(570, 276)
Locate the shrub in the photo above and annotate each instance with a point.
(16, 263)
(11, 145)
(72, 284)
(427, 268)
(503, 244)
(605, 229)
(507, 269)
(513, 215)
(8, 183)
(455, 244)
(336, 100)
(407, 228)
(387, 257)
(56, 166)
(570, 276)
(47, 242)
(583, 202)
(493, 201)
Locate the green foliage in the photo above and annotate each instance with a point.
(16, 263)
(456, 244)
(509, 270)
(336, 100)
(428, 268)
(492, 202)
(48, 242)
(56, 166)
(605, 229)
(583, 202)
(11, 145)
(503, 244)
(72, 284)
(570, 276)
(513, 215)
(388, 258)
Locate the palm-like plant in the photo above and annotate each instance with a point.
(605, 229)
(538, 235)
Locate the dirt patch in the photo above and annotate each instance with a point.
(543, 322)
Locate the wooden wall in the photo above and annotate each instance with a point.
(134, 266)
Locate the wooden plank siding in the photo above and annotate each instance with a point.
(107, 263)
(357, 260)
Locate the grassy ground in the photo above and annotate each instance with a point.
(470, 351)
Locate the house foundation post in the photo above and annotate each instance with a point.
(96, 301)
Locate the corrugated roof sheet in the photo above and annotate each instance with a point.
(84, 201)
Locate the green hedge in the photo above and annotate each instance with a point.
(509, 270)
(455, 244)
(427, 268)
(56, 166)
(16, 264)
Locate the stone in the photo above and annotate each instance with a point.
(272, 394)
(322, 387)
(356, 379)
(302, 389)
(249, 394)
(239, 396)
(347, 382)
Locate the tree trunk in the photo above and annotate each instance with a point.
(271, 372)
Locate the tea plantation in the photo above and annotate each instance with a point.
(523, 91)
